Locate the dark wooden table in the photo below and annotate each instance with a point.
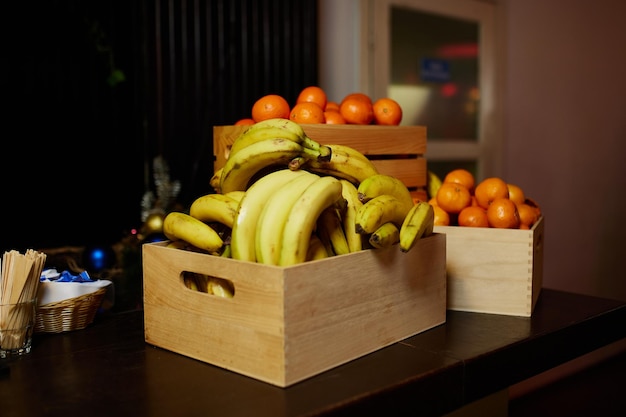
(107, 369)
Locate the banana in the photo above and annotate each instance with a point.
(269, 228)
(276, 128)
(190, 282)
(177, 244)
(322, 193)
(316, 249)
(330, 230)
(236, 195)
(348, 218)
(226, 253)
(345, 162)
(419, 222)
(215, 208)
(385, 236)
(215, 180)
(219, 287)
(241, 167)
(196, 281)
(243, 233)
(182, 245)
(379, 210)
(181, 226)
(433, 182)
(380, 184)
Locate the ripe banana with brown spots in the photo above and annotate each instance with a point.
(276, 128)
(419, 222)
(345, 162)
(215, 208)
(380, 184)
(243, 235)
(182, 226)
(379, 210)
(348, 215)
(330, 231)
(385, 236)
(271, 221)
(322, 193)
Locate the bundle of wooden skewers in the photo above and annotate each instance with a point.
(19, 281)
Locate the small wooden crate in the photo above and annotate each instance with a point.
(497, 271)
(286, 324)
(395, 150)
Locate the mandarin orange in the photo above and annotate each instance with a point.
(502, 213)
(245, 122)
(516, 194)
(270, 106)
(334, 118)
(461, 176)
(527, 215)
(356, 111)
(359, 96)
(387, 112)
(489, 189)
(313, 94)
(331, 105)
(473, 216)
(453, 197)
(307, 113)
(442, 218)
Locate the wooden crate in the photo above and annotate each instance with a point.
(286, 324)
(394, 150)
(497, 271)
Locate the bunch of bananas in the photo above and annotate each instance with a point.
(282, 199)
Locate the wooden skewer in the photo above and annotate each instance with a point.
(19, 280)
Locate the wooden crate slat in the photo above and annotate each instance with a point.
(410, 171)
(395, 150)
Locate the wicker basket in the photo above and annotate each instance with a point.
(70, 314)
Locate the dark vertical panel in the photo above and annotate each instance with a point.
(189, 65)
(77, 175)
(218, 57)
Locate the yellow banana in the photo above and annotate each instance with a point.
(219, 287)
(269, 228)
(379, 210)
(182, 245)
(330, 230)
(236, 195)
(322, 193)
(190, 282)
(215, 180)
(433, 182)
(380, 184)
(276, 128)
(214, 208)
(181, 226)
(243, 233)
(385, 236)
(241, 167)
(345, 162)
(348, 218)
(177, 244)
(419, 222)
(196, 281)
(316, 249)
(226, 252)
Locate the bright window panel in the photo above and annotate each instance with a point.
(434, 73)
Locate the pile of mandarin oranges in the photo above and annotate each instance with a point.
(313, 106)
(492, 202)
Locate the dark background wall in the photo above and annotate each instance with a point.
(78, 143)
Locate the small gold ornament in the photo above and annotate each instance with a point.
(153, 224)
